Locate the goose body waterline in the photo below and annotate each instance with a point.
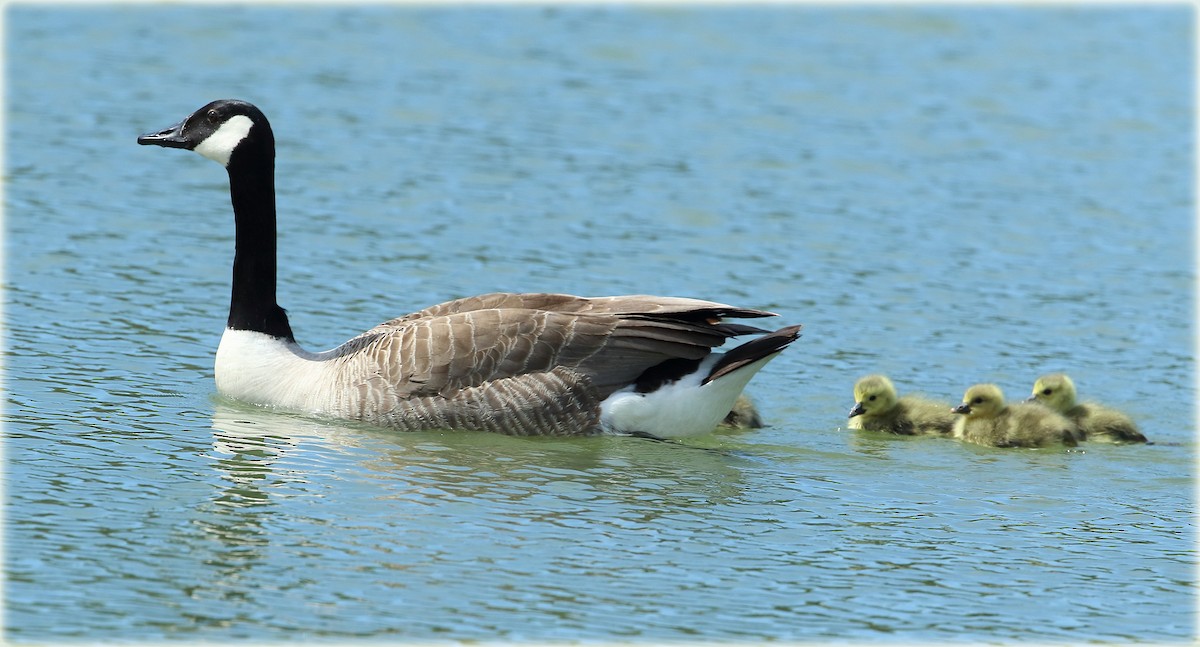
(525, 364)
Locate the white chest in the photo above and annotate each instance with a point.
(261, 369)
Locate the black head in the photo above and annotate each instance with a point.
(217, 130)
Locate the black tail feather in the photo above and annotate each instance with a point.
(752, 351)
(734, 329)
(665, 373)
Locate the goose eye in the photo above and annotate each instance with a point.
(977, 400)
(1047, 391)
(212, 114)
(872, 398)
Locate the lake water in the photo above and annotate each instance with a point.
(948, 195)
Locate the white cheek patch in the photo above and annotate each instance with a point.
(219, 145)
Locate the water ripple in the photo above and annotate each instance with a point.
(946, 196)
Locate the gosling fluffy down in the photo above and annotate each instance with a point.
(1092, 421)
(878, 408)
(985, 419)
(743, 415)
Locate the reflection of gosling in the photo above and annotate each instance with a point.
(1094, 422)
(987, 420)
(744, 415)
(877, 408)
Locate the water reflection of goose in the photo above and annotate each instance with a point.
(525, 364)
(255, 449)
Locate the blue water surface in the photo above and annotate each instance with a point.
(945, 194)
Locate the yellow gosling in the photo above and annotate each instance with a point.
(878, 408)
(985, 419)
(1093, 421)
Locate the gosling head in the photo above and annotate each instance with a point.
(981, 401)
(1056, 391)
(222, 131)
(873, 394)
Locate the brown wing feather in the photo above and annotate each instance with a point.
(619, 305)
(608, 341)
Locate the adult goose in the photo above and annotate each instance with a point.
(523, 364)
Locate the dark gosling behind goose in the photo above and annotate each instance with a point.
(523, 364)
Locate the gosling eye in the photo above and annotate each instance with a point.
(978, 400)
(1047, 391)
(872, 398)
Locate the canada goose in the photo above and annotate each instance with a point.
(987, 420)
(1093, 421)
(525, 364)
(743, 415)
(878, 408)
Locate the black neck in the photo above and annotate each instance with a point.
(252, 188)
